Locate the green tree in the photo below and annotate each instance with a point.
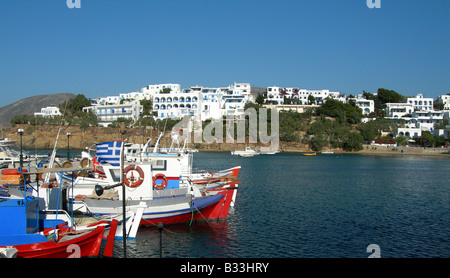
(147, 106)
(440, 141)
(87, 120)
(343, 112)
(125, 121)
(428, 140)
(74, 105)
(317, 142)
(401, 140)
(389, 96)
(165, 91)
(260, 99)
(437, 105)
(354, 142)
(311, 100)
(370, 130)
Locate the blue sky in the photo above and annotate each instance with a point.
(118, 46)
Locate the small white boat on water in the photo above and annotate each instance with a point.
(270, 152)
(248, 152)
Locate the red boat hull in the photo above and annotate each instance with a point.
(215, 211)
(85, 245)
(234, 172)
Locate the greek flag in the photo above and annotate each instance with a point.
(109, 152)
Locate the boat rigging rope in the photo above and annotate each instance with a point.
(200, 214)
(192, 212)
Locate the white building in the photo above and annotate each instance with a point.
(366, 105)
(445, 99)
(105, 100)
(427, 119)
(204, 102)
(49, 111)
(176, 104)
(407, 131)
(398, 110)
(129, 96)
(148, 91)
(109, 113)
(420, 103)
(234, 98)
(276, 95)
(423, 120)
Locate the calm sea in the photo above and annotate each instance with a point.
(326, 206)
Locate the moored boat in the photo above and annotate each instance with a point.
(30, 235)
(248, 152)
(175, 165)
(161, 200)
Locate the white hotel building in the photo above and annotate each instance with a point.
(108, 113)
(203, 102)
(420, 103)
(169, 101)
(276, 95)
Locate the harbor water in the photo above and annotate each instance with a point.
(324, 206)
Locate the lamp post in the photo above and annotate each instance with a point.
(68, 145)
(20, 131)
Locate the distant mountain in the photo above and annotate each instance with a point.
(30, 105)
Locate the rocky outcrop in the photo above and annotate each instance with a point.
(44, 137)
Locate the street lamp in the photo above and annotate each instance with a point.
(68, 147)
(20, 131)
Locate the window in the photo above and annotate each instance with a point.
(160, 165)
(115, 174)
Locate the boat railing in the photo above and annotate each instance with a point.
(61, 215)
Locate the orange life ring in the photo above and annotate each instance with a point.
(163, 182)
(133, 181)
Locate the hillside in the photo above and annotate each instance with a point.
(30, 105)
(43, 138)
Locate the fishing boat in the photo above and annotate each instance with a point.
(248, 152)
(25, 232)
(175, 163)
(214, 179)
(153, 186)
(162, 199)
(309, 154)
